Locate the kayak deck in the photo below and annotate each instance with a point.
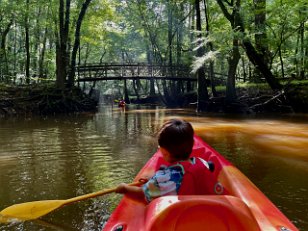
(234, 203)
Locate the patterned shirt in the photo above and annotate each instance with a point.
(166, 181)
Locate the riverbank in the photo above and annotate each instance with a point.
(42, 100)
(46, 100)
(251, 99)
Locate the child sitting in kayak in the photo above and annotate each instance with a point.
(176, 140)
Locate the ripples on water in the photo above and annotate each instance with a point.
(62, 157)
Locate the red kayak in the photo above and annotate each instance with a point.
(235, 203)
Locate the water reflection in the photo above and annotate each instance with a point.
(276, 137)
(61, 157)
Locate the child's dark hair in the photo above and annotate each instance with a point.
(177, 137)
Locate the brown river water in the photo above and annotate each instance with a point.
(64, 156)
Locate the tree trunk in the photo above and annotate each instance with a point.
(244, 70)
(170, 46)
(261, 43)
(62, 53)
(136, 89)
(233, 63)
(281, 62)
(210, 46)
(192, 24)
(179, 37)
(170, 27)
(61, 67)
(126, 97)
(202, 93)
(235, 54)
(260, 30)
(303, 59)
(82, 13)
(27, 44)
(37, 41)
(150, 62)
(3, 57)
(42, 55)
(255, 58)
(257, 61)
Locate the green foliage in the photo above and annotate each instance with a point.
(143, 30)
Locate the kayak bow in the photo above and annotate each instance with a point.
(234, 204)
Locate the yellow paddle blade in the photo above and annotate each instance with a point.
(35, 209)
(30, 210)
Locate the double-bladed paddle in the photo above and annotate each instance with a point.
(35, 209)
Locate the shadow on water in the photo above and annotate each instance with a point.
(64, 156)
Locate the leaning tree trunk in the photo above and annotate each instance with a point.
(258, 62)
(82, 13)
(254, 57)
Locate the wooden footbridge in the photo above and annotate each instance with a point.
(105, 71)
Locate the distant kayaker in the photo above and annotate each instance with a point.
(176, 140)
(122, 103)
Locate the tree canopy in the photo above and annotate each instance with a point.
(243, 40)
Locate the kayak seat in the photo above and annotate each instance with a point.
(211, 184)
(214, 187)
(206, 213)
(201, 152)
(206, 155)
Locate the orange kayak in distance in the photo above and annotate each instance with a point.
(236, 204)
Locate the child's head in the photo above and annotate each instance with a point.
(177, 137)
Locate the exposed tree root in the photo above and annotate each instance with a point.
(45, 101)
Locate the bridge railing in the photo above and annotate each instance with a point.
(119, 71)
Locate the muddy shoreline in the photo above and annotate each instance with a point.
(48, 100)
